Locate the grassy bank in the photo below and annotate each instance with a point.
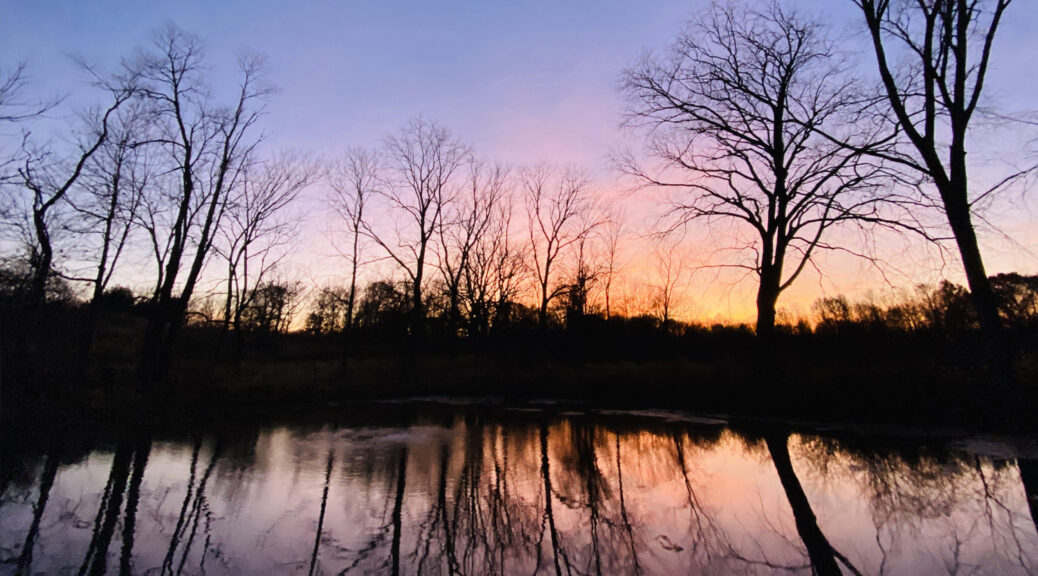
(855, 376)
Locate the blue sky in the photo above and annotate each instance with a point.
(520, 80)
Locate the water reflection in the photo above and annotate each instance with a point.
(493, 491)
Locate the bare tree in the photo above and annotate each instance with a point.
(15, 107)
(207, 147)
(948, 45)
(353, 179)
(257, 229)
(733, 110)
(494, 273)
(479, 276)
(613, 232)
(555, 200)
(469, 219)
(673, 274)
(49, 175)
(423, 159)
(585, 272)
(111, 192)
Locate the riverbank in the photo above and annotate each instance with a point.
(897, 379)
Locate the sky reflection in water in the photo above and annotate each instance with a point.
(448, 492)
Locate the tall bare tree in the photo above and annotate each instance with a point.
(469, 218)
(556, 201)
(49, 175)
(110, 194)
(207, 147)
(354, 179)
(423, 161)
(495, 270)
(732, 111)
(948, 45)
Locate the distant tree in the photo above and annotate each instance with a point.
(672, 276)
(257, 228)
(834, 313)
(613, 231)
(933, 91)
(1017, 297)
(330, 310)
(423, 162)
(557, 201)
(467, 220)
(578, 295)
(271, 307)
(492, 277)
(733, 111)
(947, 307)
(354, 178)
(385, 306)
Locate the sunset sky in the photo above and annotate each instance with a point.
(521, 82)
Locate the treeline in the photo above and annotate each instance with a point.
(941, 309)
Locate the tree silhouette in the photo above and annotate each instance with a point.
(556, 201)
(423, 159)
(207, 147)
(733, 112)
(948, 44)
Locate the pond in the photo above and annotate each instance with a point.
(440, 488)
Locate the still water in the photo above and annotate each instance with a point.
(421, 488)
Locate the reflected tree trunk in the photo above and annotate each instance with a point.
(324, 506)
(548, 515)
(588, 463)
(398, 505)
(200, 505)
(50, 471)
(174, 541)
(96, 560)
(623, 509)
(441, 506)
(822, 555)
(140, 461)
(1029, 477)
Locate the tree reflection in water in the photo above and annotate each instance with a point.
(492, 491)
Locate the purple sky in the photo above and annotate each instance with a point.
(520, 81)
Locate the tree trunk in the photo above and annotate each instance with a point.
(957, 209)
(398, 506)
(41, 262)
(767, 297)
(546, 474)
(50, 471)
(1029, 478)
(818, 548)
(140, 460)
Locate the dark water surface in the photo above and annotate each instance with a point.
(488, 489)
